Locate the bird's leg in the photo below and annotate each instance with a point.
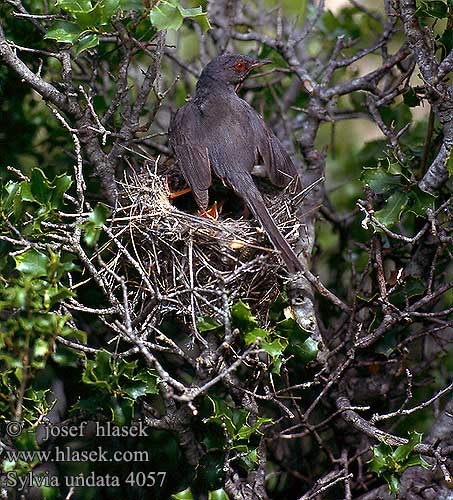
(174, 194)
(246, 212)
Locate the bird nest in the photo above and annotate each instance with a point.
(195, 265)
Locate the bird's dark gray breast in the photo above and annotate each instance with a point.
(228, 130)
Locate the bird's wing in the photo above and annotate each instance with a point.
(281, 169)
(192, 158)
(279, 166)
(194, 164)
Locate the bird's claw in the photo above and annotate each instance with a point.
(173, 194)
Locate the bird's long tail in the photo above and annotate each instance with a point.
(245, 187)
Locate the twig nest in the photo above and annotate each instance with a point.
(195, 262)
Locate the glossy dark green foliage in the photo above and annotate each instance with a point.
(87, 20)
(92, 227)
(390, 462)
(400, 191)
(241, 431)
(118, 383)
(39, 196)
(170, 14)
(282, 337)
(433, 8)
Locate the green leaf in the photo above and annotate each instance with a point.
(245, 458)
(274, 349)
(61, 184)
(222, 415)
(90, 19)
(411, 99)
(329, 21)
(56, 269)
(391, 463)
(99, 215)
(397, 116)
(246, 431)
(99, 372)
(125, 368)
(404, 450)
(99, 15)
(183, 495)
(242, 317)
(299, 342)
(142, 383)
(109, 9)
(447, 38)
(207, 324)
(218, 495)
(307, 351)
(92, 227)
(393, 208)
(290, 327)
(136, 390)
(197, 15)
(254, 335)
(103, 367)
(342, 23)
(393, 482)
(433, 9)
(121, 411)
(74, 5)
(378, 463)
(277, 307)
(137, 5)
(169, 14)
(41, 188)
(419, 201)
(380, 181)
(77, 335)
(87, 42)
(32, 262)
(11, 189)
(415, 461)
(65, 356)
(166, 16)
(150, 379)
(55, 294)
(253, 456)
(372, 151)
(64, 32)
(50, 493)
(41, 348)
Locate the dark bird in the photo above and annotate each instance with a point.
(220, 132)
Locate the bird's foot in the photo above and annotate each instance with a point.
(245, 212)
(174, 194)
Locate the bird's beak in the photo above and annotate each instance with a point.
(260, 62)
(256, 64)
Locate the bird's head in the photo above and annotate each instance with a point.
(231, 68)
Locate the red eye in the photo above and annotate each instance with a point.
(240, 66)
